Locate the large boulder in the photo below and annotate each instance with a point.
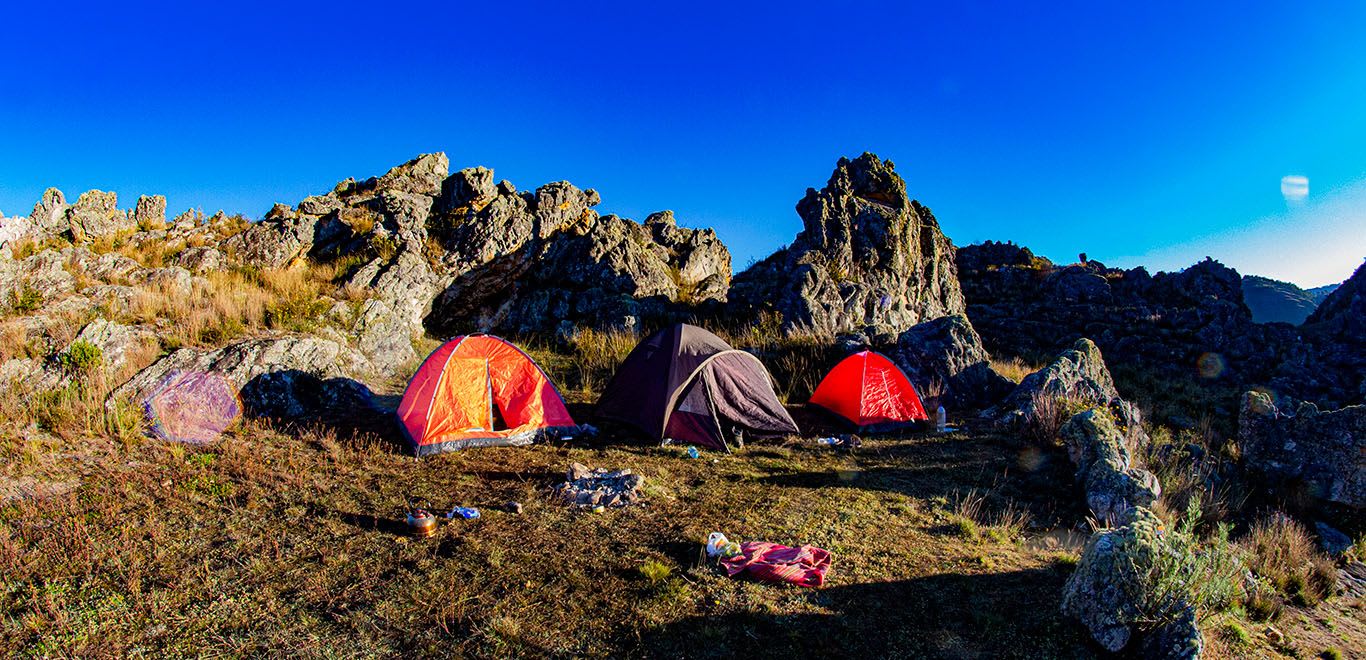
(867, 256)
(281, 377)
(1110, 591)
(150, 212)
(1077, 378)
(1099, 450)
(947, 351)
(96, 215)
(1319, 454)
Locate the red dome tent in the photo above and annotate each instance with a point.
(869, 390)
(450, 403)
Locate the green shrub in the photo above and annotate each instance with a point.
(655, 572)
(26, 300)
(1237, 634)
(81, 357)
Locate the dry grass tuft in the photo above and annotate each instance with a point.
(1281, 552)
(1013, 369)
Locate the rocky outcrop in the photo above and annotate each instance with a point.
(96, 215)
(283, 377)
(867, 256)
(49, 215)
(1317, 454)
(150, 212)
(1190, 327)
(948, 352)
(1110, 591)
(1101, 453)
(1078, 377)
(533, 262)
(1328, 367)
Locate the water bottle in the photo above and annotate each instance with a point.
(940, 420)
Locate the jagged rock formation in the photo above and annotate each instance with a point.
(1190, 326)
(1318, 454)
(867, 257)
(948, 352)
(1273, 301)
(1328, 366)
(604, 271)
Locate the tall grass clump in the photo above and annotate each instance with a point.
(597, 354)
(1281, 552)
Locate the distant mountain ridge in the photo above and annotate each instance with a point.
(1273, 300)
(1318, 293)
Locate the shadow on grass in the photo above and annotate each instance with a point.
(996, 615)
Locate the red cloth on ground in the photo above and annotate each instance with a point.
(805, 566)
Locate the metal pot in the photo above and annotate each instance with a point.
(421, 523)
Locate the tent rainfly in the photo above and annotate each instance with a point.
(870, 391)
(479, 391)
(689, 385)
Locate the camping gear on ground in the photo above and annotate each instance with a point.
(840, 442)
(719, 546)
(421, 523)
(590, 488)
(194, 407)
(692, 452)
(940, 420)
(686, 383)
(803, 566)
(479, 391)
(466, 512)
(870, 391)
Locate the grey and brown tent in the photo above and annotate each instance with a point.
(687, 384)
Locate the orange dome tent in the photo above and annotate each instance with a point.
(869, 390)
(451, 401)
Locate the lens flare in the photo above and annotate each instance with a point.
(1210, 365)
(192, 407)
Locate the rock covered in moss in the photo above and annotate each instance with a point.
(1107, 592)
(1321, 454)
(1077, 376)
(867, 256)
(1112, 485)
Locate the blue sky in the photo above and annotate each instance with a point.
(1154, 135)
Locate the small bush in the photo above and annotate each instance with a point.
(81, 357)
(966, 527)
(1237, 634)
(1331, 654)
(1049, 413)
(655, 572)
(26, 300)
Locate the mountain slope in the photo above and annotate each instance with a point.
(1272, 300)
